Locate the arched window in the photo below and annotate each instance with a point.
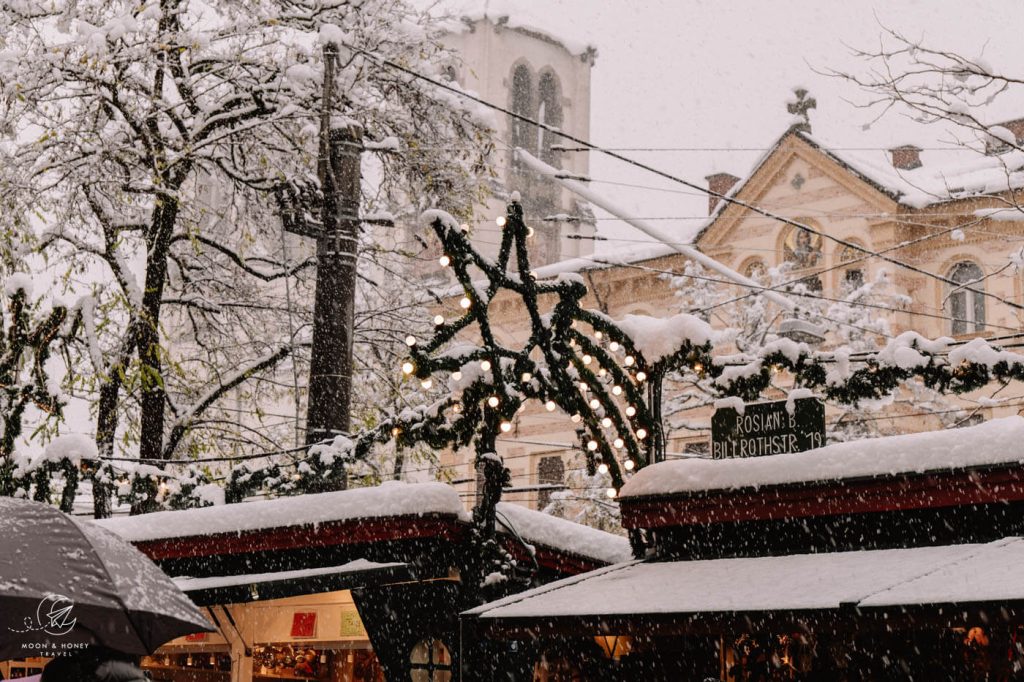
(549, 112)
(966, 303)
(430, 661)
(853, 276)
(522, 104)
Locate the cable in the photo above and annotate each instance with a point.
(668, 176)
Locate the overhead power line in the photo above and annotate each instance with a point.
(673, 178)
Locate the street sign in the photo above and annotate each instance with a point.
(768, 428)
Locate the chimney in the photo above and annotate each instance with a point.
(997, 143)
(719, 183)
(907, 157)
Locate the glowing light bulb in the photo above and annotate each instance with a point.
(439, 319)
(619, 443)
(529, 231)
(410, 340)
(550, 406)
(595, 403)
(606, 422)
(592, 445)
(526, 377)
(616, 390)
(598, 335)
(485, 365)
(426, 383)
(698, 368)
(576, 419)
(613, 346)
(408, 367)
(602, 468)
(584, 386)
(611, 493)
(500, 220)
(601, 372)
(457, 408)
(395, 431)
(641, 376)
(457, 376)
(641, 433)
(493, 401)
(629, 464)
(587, 359)
(629, 361)
(465, 302)
(445, 261)
(506, 427)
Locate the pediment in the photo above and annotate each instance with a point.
(796, 180)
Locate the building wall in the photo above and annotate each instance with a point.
(801, 183)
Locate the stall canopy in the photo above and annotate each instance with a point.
(239, 589)
(952, 574)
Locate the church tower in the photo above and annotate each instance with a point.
(546, 79)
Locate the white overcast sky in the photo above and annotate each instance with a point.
(717, 74)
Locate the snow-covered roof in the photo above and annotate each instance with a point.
(568, 536)
(999, 441)
(187, 584)
(920, 575)
(388, 499)
(519, 17)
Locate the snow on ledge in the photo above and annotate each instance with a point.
(999, 441)
(388, 499)
(187, 584)
(568, 536)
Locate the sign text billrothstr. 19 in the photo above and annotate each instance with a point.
(768, 429)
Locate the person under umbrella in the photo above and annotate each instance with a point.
(68, 586)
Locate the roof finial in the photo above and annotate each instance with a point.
(801, 109)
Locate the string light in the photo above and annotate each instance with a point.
(613, 346)
(438, 320)
(529, 231)
(584, 386)
(506, 427)
(457, 375)
(465, 302)
(629, 361)
(457, 408)
(629, 464)
(616, 390)
(630, 411)
(618, 443)
(641, 433)
(592, 445)
(493, 401)
(587, 359)
(594, 403)
(410, 340)
(606, 422)
(576, 418)
(602, 468)
(395, 431)
(444, 260)
(611, 493)
(598, 335)
(526, 377)
(408, 367)
(641, 376)
(500, 220)
(698, 368)
(550, 406)
(485, 365)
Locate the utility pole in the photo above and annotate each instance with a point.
(337, 235)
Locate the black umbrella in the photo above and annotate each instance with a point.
(66, 583)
